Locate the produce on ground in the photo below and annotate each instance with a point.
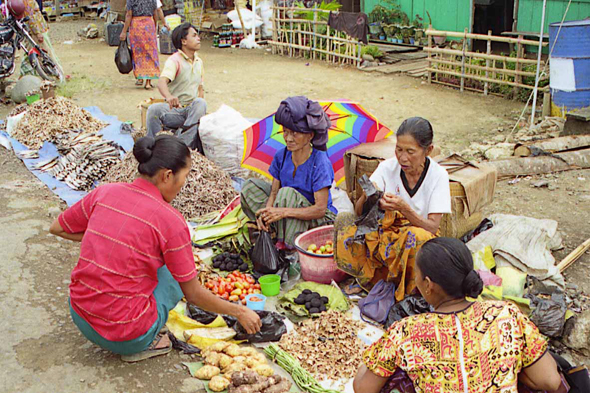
(336, 299)
(235, 287)
(230, 358)
(207, 372)
(328, 346)
(250, 382)
(46, 119)
(228, 262)
(313, 301)
(303, 379)
(218, 383)
(325, 249)
(208, 188)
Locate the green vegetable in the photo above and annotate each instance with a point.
(301, 376)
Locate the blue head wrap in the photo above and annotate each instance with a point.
(302, 115)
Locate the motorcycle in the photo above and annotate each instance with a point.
(14, 35)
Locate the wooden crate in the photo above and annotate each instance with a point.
(143, 106)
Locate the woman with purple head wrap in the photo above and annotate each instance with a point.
(299, 198)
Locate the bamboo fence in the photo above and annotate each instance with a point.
(295, 36)
(482, 72)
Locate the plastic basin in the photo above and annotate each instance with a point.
(255, 305)
(270, 285)
(314, 267)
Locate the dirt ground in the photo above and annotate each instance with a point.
(43, 351)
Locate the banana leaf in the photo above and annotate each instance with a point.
(337, 300)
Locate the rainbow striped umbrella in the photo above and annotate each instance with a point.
(351, 126)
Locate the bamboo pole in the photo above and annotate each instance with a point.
(274, 32)
(482, 79)
(240, 16)
(483, 37)
(319, 22)
(519, 54)
(322, 36)
(430, 41)
(463, 62)
(315, 37)
(467, 88)
(488, 52)
(479, 55)
(291, 34)
(482, 68)
(574, 256)
(328, 45)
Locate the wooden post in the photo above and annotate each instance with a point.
(463, 62)
(429, 57)
(519, 55)
(275, 25)
(488, 52)
(328, 45)
(57, 9)
(315, 19)
(291, 38)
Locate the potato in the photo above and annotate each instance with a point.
(213, 358)
(232, 350)
(235, 367)
(264, 370)
(207, 372)
(218, 346)
(252, 362)
(248, 351)
(225, 361)
(218, 383)
(260, 357)
(239, 359)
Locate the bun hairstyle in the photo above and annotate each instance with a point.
(161, 152)
(419, 128)
(448, 262)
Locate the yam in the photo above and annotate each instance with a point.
(213, 358)
(244, 378)
(264, 370)
(248, 351)
(232, 350)
(218, 346)
(235, 367)
(282, 387)
(218, 383)
(207, 372)
(225, 361)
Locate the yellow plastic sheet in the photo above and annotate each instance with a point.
(484, 259)
(513, 281)
(178, 324)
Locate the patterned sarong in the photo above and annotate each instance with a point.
(144, 45)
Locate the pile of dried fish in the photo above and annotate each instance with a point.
(17, 110)
(208, 188)
(46, 119)
(84, 159)
(327, 347)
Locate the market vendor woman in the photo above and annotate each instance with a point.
(136, 260)
(299, 197)
(416, 195)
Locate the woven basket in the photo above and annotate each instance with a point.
(455, 226)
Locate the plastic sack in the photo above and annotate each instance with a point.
(484, 259)
(549, 308)
(340, 200)
(265, 256)
(513, 281)
(272, 328)
(369, 220)
(489, 278)
(411, 305)
(186, 348)
(378, 302)
(248, 43)
(124, 58)
(222, 136)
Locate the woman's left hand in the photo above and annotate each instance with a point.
(272, 214)
(392, 202)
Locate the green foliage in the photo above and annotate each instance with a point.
(418, 22)
(373, 51)
(308, 15)
(388, 12)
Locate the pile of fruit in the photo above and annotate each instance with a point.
(326, 249)
(313, 301)
(228, 262)
(235, 287)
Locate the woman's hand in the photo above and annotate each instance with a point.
(123, 36)
(249, 320)
(268, 215)
(390, 202)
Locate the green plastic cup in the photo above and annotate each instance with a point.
(270, 284)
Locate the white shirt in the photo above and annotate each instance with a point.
(433, 194)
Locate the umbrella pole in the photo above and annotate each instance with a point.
(240, 16)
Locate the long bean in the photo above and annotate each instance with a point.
(303, 379)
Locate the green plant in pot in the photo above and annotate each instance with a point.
(389, 30)
(399, 37)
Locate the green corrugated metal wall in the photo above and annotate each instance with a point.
(530, 11)
(449, 15)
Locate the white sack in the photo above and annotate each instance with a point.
(340, 200)
(524, 243)
(222, 135)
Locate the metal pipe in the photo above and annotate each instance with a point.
(535, 90)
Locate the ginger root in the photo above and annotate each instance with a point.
(207, 372)
(218, 383)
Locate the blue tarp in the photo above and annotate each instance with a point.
(49, 151)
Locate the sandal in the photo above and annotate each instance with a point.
(138, 82)
(353, 289)
(151, 351)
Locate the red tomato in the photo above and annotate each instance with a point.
(250, 291)
(246, 285)
(243, 296)
(215, 289)
(209, 285)
(250, 280)
(244, 302)
(257, 286)
(221, 291)
(225, 296)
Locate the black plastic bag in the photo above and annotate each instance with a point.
(483, 226)
(186, 348)
(577, 377)
(272, 329)
(411, 305)
(548, 313)
(265, 257)
(206, 317)
(369, 220)
(124, 58)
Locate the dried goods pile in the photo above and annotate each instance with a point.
(45, 120)
(85, 159)
(208, 188)
(327, 347)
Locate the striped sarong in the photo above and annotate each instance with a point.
(255, 194)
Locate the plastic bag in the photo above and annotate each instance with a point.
(549, 308)
(378, 302)
(272, 328)
(340, 200)
(482, 227)
(369, 220)
(124, 58)
(489, 278)
(265, 256)
(411, 305)
(186, 348)
(206, 317)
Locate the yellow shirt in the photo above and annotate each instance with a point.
(185, 76)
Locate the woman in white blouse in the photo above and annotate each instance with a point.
(416, 195)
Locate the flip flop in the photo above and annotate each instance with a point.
(138, 82)
(353, 289)
(150, 352)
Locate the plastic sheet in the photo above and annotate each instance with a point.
(265, 256)
(123, 58)
(411, 305)
(272, 328)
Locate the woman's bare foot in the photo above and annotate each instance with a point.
(148, 84)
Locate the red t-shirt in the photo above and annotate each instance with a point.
(130, 231)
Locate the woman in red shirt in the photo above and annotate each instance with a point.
(136, 259)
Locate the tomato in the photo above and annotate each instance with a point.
(234, 298)
(257, 291)
(209, 285)
(246, 285)
(243, 296)
(250, 291)
(239, 285)
(237, 292)
(221, 291)
(250, 280)
(244, 302)
(215, 289)
(256, 286)
(225, 296)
